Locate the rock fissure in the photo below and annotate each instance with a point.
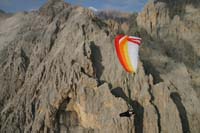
(156, 108)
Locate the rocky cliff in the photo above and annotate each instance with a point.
(174, 30)
(59, 73)
(4, 15)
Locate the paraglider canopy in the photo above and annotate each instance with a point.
(127, 48)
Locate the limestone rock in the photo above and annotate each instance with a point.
(59, 73)
(172, 38)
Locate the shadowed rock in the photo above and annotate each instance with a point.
(136, 106)
(182, 111)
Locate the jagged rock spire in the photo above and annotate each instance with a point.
(53, 7)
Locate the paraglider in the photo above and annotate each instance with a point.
(127, 50)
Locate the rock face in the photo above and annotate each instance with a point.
(59, 73)
(171, 52)
(173, 35)
(116, 20)
(4, 15)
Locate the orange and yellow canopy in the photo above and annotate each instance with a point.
(127, 48)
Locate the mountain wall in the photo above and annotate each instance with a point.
(173, 33)
(59, 73)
